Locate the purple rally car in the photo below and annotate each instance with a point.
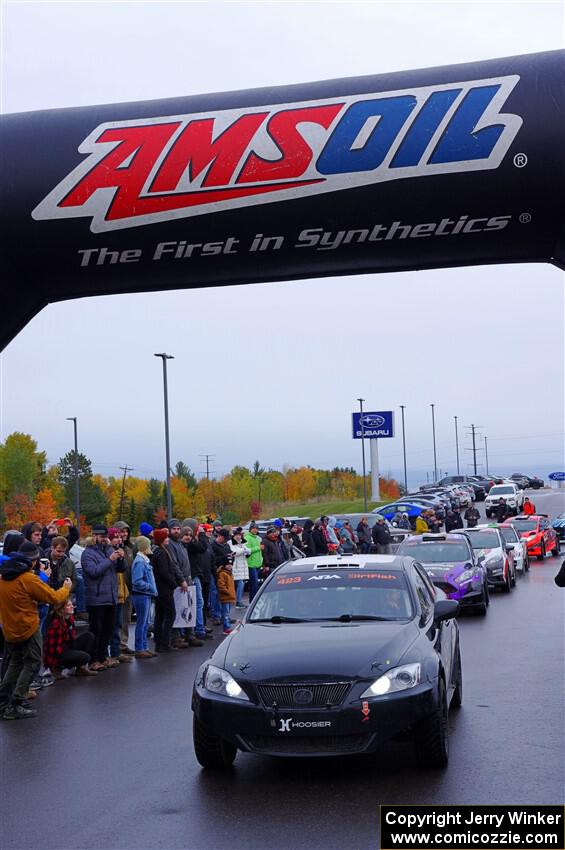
(450, 562)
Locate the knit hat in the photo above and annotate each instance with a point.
(206, 526)
(30, 551)
(145, 529)
(223, 532)
(159, 535)
(121, 525)
(278, 523)
(191, 523)
(174, 523)
(143, 544)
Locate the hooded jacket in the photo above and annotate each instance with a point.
(308, 544)
(253, 543)
(201, 558)
(20, 592)
(100, 575)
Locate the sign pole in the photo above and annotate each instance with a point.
(361, 400)
(375, 486)
(402, 406)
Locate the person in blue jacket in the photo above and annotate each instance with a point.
(143, 591)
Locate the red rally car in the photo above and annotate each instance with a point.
(536, 530)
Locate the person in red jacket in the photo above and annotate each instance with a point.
(529, 508)
(61, 646)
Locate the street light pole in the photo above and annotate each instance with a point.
(486, 454)
(434, 439)
(164, 358)
(361, 400)
(457, 444)
(402, 406)
(73, 419)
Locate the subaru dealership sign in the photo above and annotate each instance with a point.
(373, 424)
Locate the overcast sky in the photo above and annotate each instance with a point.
(272, 371)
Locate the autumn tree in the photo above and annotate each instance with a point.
(183, 471)
(22, 466)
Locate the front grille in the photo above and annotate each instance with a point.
(309, 744)
(323, 694)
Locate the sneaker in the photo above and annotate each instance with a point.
(18, 712)
(46, 680)
(205, 636)
(208, 632)
(216, 622)
(144, 653)
(227, 631)
(193, 641)
(125, 659)
(86, 671)
(111, 662)
(125, 650)
(31, 695)
(97, 667)
(35, 685)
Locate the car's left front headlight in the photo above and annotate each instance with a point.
(397, 679)
(219, 681)
(466, 576)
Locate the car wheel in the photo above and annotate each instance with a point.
(508, 582)
(513, 576)
(211, 750)
(481, 608)
(431, 735)
(556, 551)
(457, 697)
(541, 557)
(526, 564)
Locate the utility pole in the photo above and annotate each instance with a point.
(206, 459)
(486, 455)
(73, 419)
(434, 439)
(361, 400)
(457, 444)
(164, 358)
(125, 469)
(402, 406)
(474, 451)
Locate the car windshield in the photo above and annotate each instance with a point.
(484, 539)
(501, 490)
(450, 552)
(509, 534)
(333, 595)
(524, 524)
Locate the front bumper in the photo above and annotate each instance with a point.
(496, 580)
(357, 726)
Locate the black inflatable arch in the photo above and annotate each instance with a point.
(452, 166)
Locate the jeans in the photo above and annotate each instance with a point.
(215, 604)
(199, 630)
(225, 614)
(126, 620)
(79, 653)
(25, 658)
(115, 644)
(101, 621)
(239, 588)
(253, 582)
(142, 606)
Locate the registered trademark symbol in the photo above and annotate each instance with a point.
(525, 218)
(520, 160)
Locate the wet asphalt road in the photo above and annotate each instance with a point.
(109, 764)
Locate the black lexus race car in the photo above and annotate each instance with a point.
(334, 656)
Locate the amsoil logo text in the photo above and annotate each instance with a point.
(158, 169)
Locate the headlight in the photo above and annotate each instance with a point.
(219, 681)
(398, 679)
(494, 562)
(466, 576)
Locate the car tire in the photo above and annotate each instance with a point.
(526, 564)
(541, 557)
(513, 577)
(431, 735)
(481, 608)
(457, 697)
(556, 551)
(211, 751)
(508, 583)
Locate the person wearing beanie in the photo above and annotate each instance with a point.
(255, 557)
(20, 592)
(201, 569)
(115, 536)
(222, 555)
(100, 565)
(178, 551)
(226, 593)
(143, 591)
(240, 569)
(167, 578)
(129, 553)
(146, 530)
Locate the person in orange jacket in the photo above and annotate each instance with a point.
(226, 592)
(528, 508)
(20, 591)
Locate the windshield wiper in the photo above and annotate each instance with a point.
(279, 619)
(348, 618)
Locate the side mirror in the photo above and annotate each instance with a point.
(509, 547)
(445, 609)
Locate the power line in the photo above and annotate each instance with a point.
(207, 459)
(125, 469)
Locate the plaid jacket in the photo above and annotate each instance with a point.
(58, 637)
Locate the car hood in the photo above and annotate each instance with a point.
(447, 571)
(264, 651)
(484, 553)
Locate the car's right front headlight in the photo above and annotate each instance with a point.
(219, 681)
(397, 679)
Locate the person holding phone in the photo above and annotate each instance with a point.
(100, 564)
